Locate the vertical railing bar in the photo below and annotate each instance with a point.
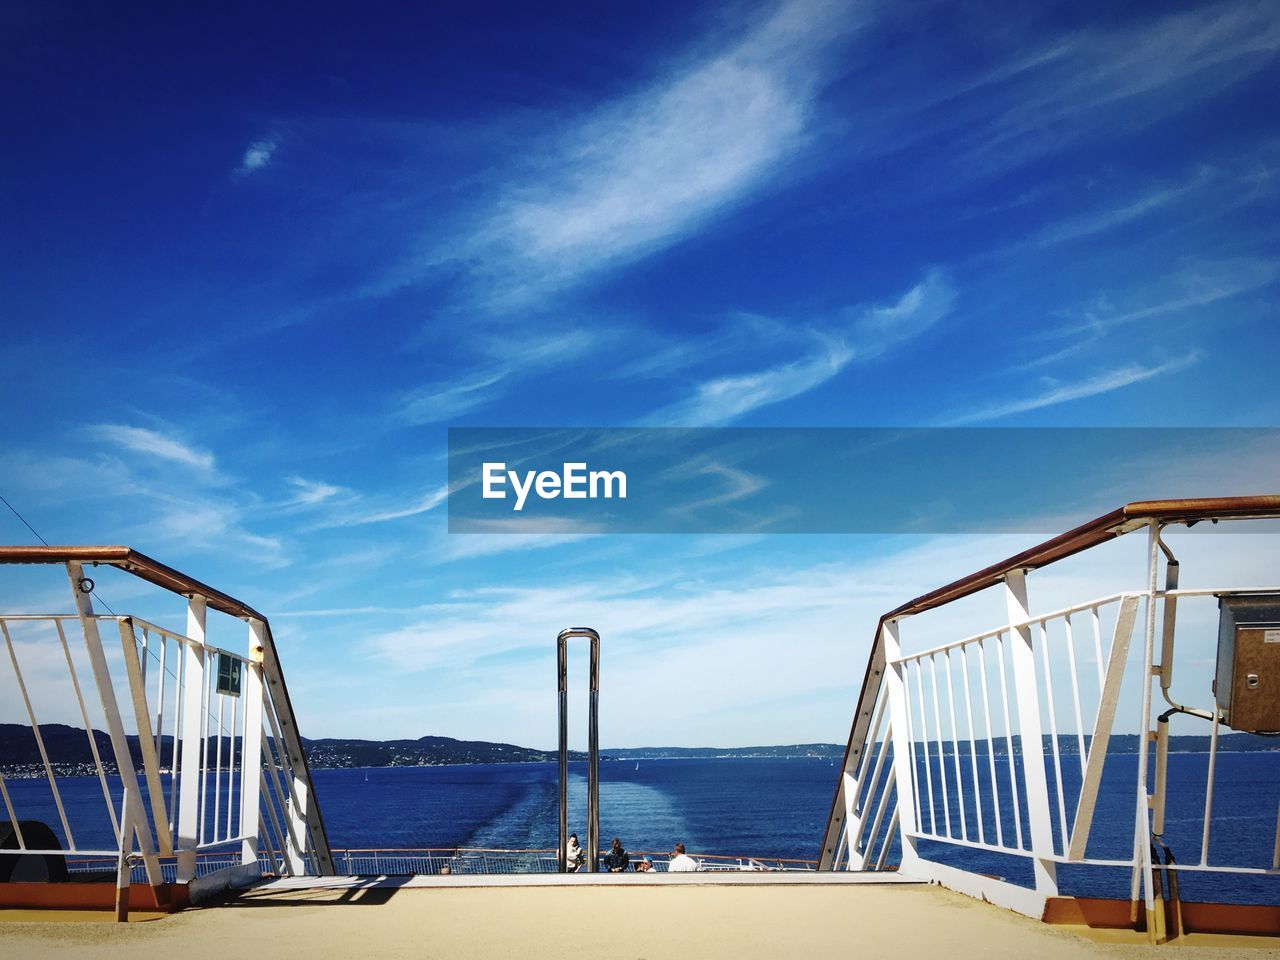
(175, 758)
(88, 730)
(942, 758)
(868, 745)
(232, 793)
(855, 840)
(890, 785)
(264, 833)
(35, 729)
(973, 742)
(1053, 733)
(991, 748)
(1008, 738)
(955, 746)
(1075, 693)
(206, 700)
(164, 649)
(924, 741)
(888, 839)
(13, 817)
(276, 838)
(1208, 790)
(1097, 648)
(133, 663)
(910, 742)
(142, 665)
(217, 770)
(278, 762)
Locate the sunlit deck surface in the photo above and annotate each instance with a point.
(698, 919)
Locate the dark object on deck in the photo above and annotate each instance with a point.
(31, 868)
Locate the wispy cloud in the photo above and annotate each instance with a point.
(1074, 85)
(725, 399)
(639, 173)
(1195, 284)
(1095, 222)
(507, 361)
(1065, 392)
(856, 334)
(153, 443)
(879, 329)
(256, 156)
(356, 518)
(310, 493)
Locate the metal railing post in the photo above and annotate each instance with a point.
(115, 726)
(1027, 694)
(1142, 873)
(251, 769)
(903, 753)
(189, 776)
(593, 745)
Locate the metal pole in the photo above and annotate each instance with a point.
(562, 670)
(593, 759)
(593, 745)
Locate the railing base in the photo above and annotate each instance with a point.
(1209, 918)
(166, 898)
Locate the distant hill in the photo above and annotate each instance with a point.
(69, 752)
(823, 750)
(423, 752)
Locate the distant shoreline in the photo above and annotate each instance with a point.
(68, 749)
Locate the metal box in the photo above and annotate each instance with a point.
(1247, 686)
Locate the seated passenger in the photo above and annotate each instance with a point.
(616, 860)
(681, 862)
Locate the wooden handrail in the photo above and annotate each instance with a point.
(140, 565)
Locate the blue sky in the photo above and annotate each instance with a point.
(256, 262)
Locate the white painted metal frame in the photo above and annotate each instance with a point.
(222, 749)
(939, 799)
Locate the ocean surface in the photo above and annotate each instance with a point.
(764, 808)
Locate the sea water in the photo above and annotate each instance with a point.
(762, 808)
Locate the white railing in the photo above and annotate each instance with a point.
(997, 743)
(192, 749)
(476, 860)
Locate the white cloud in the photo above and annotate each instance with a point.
(310, 493)
(724, 399)
(424, 504)
(1094, 386)
(878, 329)
(858, 334)
(509, 358)
(639, 173)
(1089, 224)
(257, 156)
(1106, 78)
(795, 638)
(152, 443)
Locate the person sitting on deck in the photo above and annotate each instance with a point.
(616, 860)
(574, 858)
(645, 866)
(681, 862)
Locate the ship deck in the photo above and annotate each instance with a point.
(708, 920)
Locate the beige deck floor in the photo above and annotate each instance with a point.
(698, 922)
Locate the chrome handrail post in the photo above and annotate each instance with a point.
(593, 746)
